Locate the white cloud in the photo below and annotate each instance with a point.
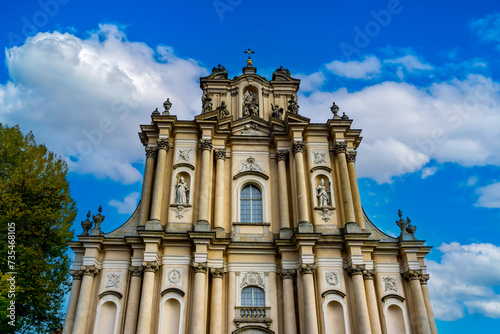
(311, 82)
(487, 28)
(85, 98)
(128, 205)
(366, 69)
(428, 171)
(450, 121)
(489, 196)
(411, 63)
(464, 281)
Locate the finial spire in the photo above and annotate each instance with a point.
(249, 60)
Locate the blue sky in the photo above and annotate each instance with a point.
(421, 78)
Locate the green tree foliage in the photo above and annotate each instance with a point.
(34, 194)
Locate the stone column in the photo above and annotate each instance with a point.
(146, 305)
(220, 156)
(281, 157)
(311, 319)
(231, 301)
(361, 306)
(198, 314)
(82, 310)
(134, 294)
(157, 200)
(206, 148)
(358, 208)
(147, 185)
(428, 305)
(298, 149)
(216, 306)
(340, 150)
(371, 297)
(288, 301)
(419, 314)
(73, 301)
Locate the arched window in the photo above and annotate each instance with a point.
(251, 205)
(252, 296)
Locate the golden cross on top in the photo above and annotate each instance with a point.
(249, 60)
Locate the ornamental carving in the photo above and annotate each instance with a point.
(281, 155)
(113, 280)
(324, 213)
(390, 284)
(180, 211)
(356, 269)
(250, 130)
(77, 274)
(205, 144)
(163, 144)
(411, 275)
(220, 153)
(253, 278)
(307, 268)
(174, 277)
(298, 146)
(251, 166)
(319, 157)
(150, 266)
(424, 279)
(89, 271)
(184, 155)
(200, 267)
(151, 152)
(340, 147)
(332, 278)
(351, 156)
(217, 272)
(287, 273)
(368, 274)
(136, 271)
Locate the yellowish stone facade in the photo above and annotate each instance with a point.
(250, 221)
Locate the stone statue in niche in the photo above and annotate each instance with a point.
(323, 195)
(206, 101)
(293, 107)
(277, 111)
(250, 105)
(223, 112)
(182, 191)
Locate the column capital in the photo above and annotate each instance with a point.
(356, 269)
(205, 144)
(368, 274)
(287, 273)
(89, 271)
(351, 156)
(216, 272)
(151, 152)
(411, 275)
(136, 271)
(298, 147)
(281, 155)
(220, 153)
(200, 267)
(424, 279)
(307, 268)
(150, 266)
(340, 147)
(163, 144)
(77, 274)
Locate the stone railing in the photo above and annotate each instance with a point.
(253, 314)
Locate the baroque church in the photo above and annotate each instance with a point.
(250, 221)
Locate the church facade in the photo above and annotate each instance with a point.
(250, 221)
